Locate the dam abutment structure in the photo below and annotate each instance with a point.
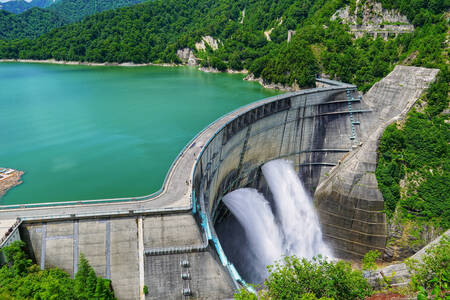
(167, 241)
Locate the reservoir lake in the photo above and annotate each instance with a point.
(85, 132)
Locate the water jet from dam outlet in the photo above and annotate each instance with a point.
(288, 225)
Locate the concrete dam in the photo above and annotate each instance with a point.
(167, 241)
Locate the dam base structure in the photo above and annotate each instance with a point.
(167, 241)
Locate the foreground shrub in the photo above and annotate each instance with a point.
(302, 279)
(431, 276)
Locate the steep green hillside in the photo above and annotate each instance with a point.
(19, 6)
(36, 21)
(32, 23)
(75, 10)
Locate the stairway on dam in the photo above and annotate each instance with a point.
(167, 241)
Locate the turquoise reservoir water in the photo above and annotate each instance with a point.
(84, 132)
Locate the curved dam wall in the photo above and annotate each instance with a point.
(313, 129)
(331, 135)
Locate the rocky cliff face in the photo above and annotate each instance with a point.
(406, 238)
(370, 17)
(371, 12)
(351, 207)
(187, 56)
(207, 40)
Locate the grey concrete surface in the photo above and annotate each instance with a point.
(166, 231)
(207, 280)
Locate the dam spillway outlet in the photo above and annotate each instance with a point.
(259, 232)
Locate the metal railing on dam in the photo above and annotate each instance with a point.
(317, 129)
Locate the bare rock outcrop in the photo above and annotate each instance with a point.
(207, 40)
(187, 56)
(405, 238)
(350, 205)
(371, 12)
(372, 18)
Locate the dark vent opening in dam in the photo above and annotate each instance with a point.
(267, 220)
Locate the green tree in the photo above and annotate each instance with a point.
(81, 277)
(88, 285)
(16, 258)
(369, 259)
(432, 274)
(20, 279)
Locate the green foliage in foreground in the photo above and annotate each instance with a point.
(418, 152)
(302, 279)
(432, 275)
(369, 259)
(21, 279)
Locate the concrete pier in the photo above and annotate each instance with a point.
(167, 240)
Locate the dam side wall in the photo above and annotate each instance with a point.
(350, 205)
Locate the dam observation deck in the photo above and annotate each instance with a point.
(167, 240)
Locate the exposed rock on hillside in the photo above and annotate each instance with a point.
(406, 238)
(371, 12)
(207, 40)
(371, 18)
(398, 273)
(187, 56)
(275, 86)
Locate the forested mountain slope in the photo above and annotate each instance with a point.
(154, 31)
(37, 21)
(75, 10)
(32, 23)
(19, 6)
